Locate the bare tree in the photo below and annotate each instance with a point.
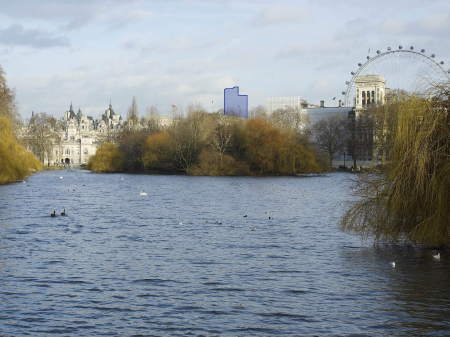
(289, 118)
(133, 114)
(222, 135)
(331, 134)
(258, 112)
(7, 101)
(42, 135)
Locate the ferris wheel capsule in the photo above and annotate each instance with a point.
(359, 64)
(378, 52)
(389, 48)
(442, 62)
(412, 48)
(368, 57)
(352, 73)
(400, 47)
(422, 50)
(432, 55)
(343, 93)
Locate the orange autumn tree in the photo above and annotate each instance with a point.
(270, 150)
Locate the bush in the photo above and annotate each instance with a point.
(107, 159)
(16, 162)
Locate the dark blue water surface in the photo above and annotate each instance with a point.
(184, 261)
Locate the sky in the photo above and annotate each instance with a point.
(184, 52)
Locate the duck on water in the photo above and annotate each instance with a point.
(63, 213)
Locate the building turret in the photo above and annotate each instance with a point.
(71, 112)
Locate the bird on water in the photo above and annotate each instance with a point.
(437, 256)
(63, 213)
(392, 264)
(53, 214)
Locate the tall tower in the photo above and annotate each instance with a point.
(370, 91)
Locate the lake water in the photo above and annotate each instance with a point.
(199, 256)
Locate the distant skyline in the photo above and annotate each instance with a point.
(179, 52)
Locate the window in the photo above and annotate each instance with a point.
(67, 151)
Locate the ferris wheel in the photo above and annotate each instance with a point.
(407, 69)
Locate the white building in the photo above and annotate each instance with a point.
(294, 103)
(370, 90)
(80, 136)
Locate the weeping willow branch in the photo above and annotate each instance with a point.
(409, 199)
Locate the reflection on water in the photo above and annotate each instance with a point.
(184, 260)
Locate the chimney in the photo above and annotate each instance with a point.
(322, 103)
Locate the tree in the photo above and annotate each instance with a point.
(42, 134)
(289, 118)
(258, 111)
(7, 104)
(133, 114)
(409, 197)
(107, 159)
(331, 135)
(131, 144)
(16, 162)
(159, 153)
(222, 136)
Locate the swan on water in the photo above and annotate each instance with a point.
(53, 214)
(61, 177)
(143, 193)
(392, 264)
(63, 213)
(437, 256)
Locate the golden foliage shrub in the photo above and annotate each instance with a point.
(270, 150)
(159, 152)
(107, 159)
(16, 162)
(212, 163)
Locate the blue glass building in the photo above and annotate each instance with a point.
(235, 104)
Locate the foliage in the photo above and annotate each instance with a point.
(16, 162)
(107, 159)
(131, 144)
(410, 198)
(213, 163)
(214, 144)
(159, 153)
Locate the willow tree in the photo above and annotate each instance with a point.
(409, 199)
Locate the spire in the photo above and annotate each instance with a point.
(71, 112)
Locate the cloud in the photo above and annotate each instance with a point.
(279, 15)
(17, 35)
(74, 14)
(292, 51)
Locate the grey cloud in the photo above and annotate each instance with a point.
(70, 14)
(17, 35)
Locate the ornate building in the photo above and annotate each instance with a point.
(79, 136)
